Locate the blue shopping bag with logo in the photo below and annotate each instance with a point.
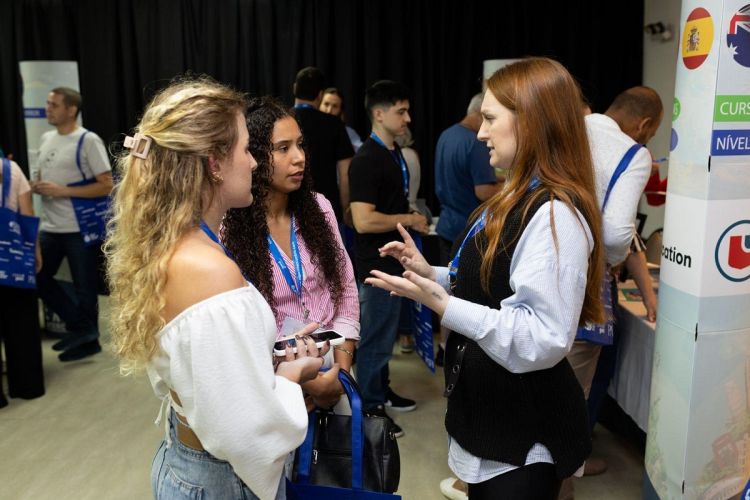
(91, 213)
(17, 241)
(604, 334)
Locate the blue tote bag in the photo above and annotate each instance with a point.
(17, 241)
(604, 334)
(91, 213)
(303, 489)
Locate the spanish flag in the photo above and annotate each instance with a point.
(697, 38)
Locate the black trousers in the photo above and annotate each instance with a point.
(530, 482)
(19, 333)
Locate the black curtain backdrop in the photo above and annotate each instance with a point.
(128, 49)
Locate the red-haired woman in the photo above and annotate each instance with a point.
(526, 275)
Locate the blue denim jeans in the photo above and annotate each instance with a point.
(179, 472)
(80, 314)
(379, 315)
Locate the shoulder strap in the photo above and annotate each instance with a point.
(78, 154)
(629, 154)
(6, 182)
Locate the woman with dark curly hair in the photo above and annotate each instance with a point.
(289, 246)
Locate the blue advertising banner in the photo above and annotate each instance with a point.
(34, 113)
(730, 143)
(423, 326)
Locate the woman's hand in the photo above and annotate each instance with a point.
(305, 364)
(412, 286)
(325, 389)
(408, 255)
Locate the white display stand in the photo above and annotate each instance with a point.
(698, 443)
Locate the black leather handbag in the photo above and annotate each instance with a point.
(329, 455)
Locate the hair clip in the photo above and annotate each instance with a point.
(139, 145)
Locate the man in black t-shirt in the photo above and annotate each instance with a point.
(330, 151)
(379, 184)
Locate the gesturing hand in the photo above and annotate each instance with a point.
(412, 286)
(408, 255)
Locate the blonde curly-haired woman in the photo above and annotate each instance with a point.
(183, 310)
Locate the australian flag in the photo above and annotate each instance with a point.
(738, 36)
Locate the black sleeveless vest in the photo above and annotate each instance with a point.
(498, 415)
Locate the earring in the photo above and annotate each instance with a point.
(218, 179)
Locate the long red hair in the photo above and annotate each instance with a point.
(552, 146)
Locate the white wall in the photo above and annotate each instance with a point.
(660, 66)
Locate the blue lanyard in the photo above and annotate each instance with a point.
(478, 226)
(304, 105)
(399, 159)
(296, 287)
(215, 239)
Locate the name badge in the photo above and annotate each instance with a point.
(290, 325)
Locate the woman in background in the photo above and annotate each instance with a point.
(19, 308)
(333, 104)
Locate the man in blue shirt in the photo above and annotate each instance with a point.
(464, 178)
(463, 175)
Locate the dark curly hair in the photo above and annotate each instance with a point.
(246, 230)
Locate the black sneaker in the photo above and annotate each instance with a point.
(379, 411)
(440, 356)
(52, 335)
(71, 340)
(81, 351)
(397, 403)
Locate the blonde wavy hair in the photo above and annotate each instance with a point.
(158, 200)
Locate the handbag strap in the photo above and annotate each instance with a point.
(358, 430)
(78, 154)
(305, 451)
(624, 162)
(358, 440)
(6, 182)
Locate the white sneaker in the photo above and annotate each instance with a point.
(449, 491)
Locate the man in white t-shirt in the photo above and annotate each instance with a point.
(66, 156)
(632, 118)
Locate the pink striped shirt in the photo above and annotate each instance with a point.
(315, 293)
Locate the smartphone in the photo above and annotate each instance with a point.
(319, 338)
